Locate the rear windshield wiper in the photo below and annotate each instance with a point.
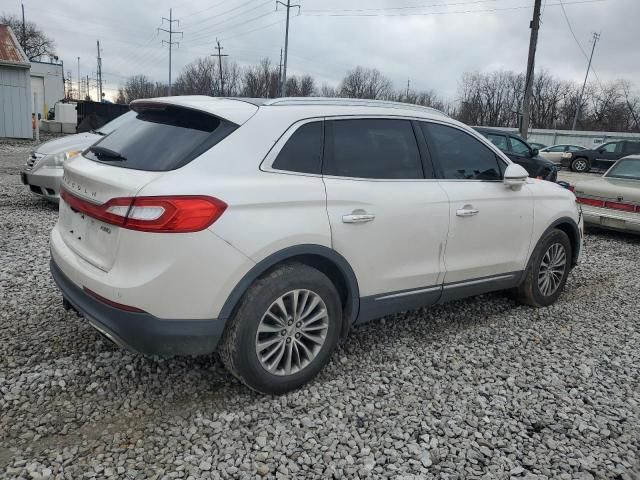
(104, 152)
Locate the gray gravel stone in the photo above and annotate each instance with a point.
(481, 388)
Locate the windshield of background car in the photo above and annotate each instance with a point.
(628, 168)
(161, 138)
(109, 127)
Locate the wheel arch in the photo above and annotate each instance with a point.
(570, 227)
(325, 259)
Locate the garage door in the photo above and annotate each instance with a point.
(37, 88)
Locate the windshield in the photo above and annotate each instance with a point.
(109, 127)
(628, 168)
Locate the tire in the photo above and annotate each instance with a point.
(533, 290)
(284, 331)
(580, 165)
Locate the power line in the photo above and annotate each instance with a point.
(424, 14)
(171, 32)
(566, 17)
(207, 31)
(204, 9)
(596, 37)
(413, 7)
(220, 14)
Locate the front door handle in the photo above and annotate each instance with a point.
(467, 211)
(358, 218)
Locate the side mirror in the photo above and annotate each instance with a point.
(535, 152)
(515, 176)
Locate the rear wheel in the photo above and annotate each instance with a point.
(547, 271)
(284, 330)
(580, 165)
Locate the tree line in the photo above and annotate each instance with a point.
(488, 99)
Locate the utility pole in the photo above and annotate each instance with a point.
(88, 94)
(596, 37)
(220, 55)
(99, 73)
(171, 32)
(408, 83)
(288, 6)
(79, 89)
(24, 32)
(528, 87)
(280, 70)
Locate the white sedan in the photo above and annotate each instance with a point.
(554, 152)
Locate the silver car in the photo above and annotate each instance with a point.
(613, 200)
(554, 152)
(43, 171)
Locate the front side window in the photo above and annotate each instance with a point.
(461, 156)
(372, 148)
(499, 141)
(609, 147)
(519, 147)
(303, 151)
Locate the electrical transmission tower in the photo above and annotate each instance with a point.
(171, 33)
(220, 55)
(288, 6)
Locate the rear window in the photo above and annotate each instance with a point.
(160, 139)
(303, 151)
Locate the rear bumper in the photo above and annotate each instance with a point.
(141, 332)
(611, 219)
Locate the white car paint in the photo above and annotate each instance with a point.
(416, 239)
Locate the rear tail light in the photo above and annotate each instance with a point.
(170, 214)
(111, 303)
(625, 207)
(591, 202)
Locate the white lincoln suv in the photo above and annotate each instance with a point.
(266, 229)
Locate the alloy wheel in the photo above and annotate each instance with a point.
(292, 332)
(552, 268)
(580, 165)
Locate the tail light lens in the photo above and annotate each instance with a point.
(591, 202)
(625, 207)
(169, 214)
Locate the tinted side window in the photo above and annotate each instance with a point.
(303, 151)
(557, 149)
(372, 148)
(499, 141)
(519, 147)
(460, 155)
(632, 147)
(574, 148)
(609, 147)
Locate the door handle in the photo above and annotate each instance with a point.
(358, 218)
(467, 211)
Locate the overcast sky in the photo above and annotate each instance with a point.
(430, 42)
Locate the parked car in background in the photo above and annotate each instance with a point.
(262, 228)
(554, 153)
(522, 153)
(537, 145)
(43, 171)
(613, 200)
(600, 157)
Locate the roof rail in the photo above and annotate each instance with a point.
(359, 102)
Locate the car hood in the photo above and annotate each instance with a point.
(615, 188)
(69, 142)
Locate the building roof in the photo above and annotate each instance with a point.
(11, 52)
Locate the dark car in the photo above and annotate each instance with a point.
(537, 145)
(521, 153)
(601, 157)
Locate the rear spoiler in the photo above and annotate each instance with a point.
(234, 111)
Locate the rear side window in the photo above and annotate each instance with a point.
(632, 147)
(303, 151)
(160, 139)
(372, 148)
(461, 156)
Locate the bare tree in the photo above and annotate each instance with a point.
(260, 80)
(365, 83)
(139, 86)
(300, 86)
(35, 42)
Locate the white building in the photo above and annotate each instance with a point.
(47, 80)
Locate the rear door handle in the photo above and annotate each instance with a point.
(358, 218)
(467, 211)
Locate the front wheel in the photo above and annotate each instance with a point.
(284, 330)
(580, 165)
(547, 271)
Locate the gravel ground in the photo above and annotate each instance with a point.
(481, 388)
